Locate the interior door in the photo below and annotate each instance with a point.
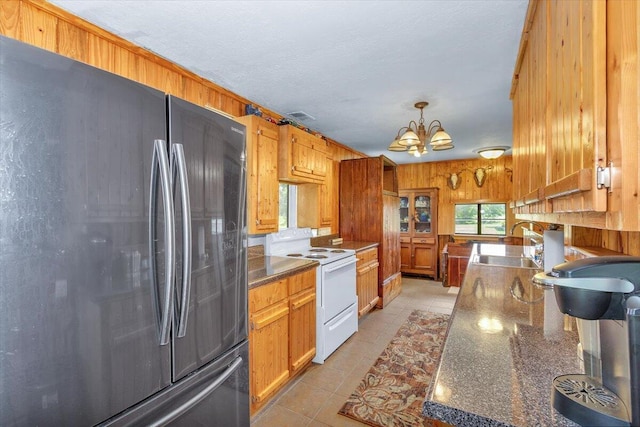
(79, 339)
(214, 150)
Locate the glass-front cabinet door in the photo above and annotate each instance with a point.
(422, 213)
(419, 231)
(405, 216)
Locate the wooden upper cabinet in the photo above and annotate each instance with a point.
(623, 113)
(577, 105)
(575, 109)
(559, 108)
(262, 174)
(302, 156)
(320, 201)
(529, 118)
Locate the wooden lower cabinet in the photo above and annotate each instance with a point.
(389, 289)
(282, 333)
(405, 253)
(457, 259)
(302, 320)
(425, 259)
(367, 280)
(419, 256)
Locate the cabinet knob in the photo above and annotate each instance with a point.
(257, 222)
(259, 132)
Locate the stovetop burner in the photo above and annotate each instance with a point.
(296, 243)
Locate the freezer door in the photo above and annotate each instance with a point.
(215, 395)
(79, 336)
(216, 317)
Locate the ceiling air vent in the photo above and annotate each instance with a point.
(300, 115)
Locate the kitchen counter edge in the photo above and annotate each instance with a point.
(267, 269)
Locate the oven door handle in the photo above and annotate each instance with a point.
(338, 267)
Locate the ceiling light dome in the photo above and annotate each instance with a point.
(491, 152)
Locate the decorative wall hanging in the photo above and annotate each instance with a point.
(453, 181)
(480, 175)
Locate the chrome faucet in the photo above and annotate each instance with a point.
(538, 248)
(513, 227)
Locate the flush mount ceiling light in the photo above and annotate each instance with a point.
(413, 138)
(491, 152)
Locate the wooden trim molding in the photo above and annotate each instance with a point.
(577, 182)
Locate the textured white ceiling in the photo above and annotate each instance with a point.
(357, 67)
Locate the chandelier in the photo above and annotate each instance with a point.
(413, 138)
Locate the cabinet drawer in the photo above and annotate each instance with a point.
(266, 295)
(366, 256)
(424, 240)
(405, 239)
(268, 316)
(302, 281)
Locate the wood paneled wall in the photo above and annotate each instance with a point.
(45, 25)
(497, 186)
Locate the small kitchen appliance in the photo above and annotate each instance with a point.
(336, 299)
(605, 290)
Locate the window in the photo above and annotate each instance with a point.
(287, 208)
(481, 218)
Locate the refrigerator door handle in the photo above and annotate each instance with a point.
(177, 412)
(160, 167)
(179, 165)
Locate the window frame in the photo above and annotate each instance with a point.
(292, 206)
(479, 220)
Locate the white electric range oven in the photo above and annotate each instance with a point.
(336, 299)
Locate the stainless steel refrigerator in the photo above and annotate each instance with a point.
(123, 284)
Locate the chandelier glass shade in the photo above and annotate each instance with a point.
(413, 138)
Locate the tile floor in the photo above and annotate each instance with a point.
(314, 398)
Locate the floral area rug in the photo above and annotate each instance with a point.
(391, 394)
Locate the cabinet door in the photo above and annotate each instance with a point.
(404, 214)
(265, 204)
(529, 117)
(577, 105)
(405, 256)
(302, 159)
(269, 351)
(296, 156)
(559, 128)
(262, 175)
(422, 214)
(319, 165)
(327, 192)
(424, 258)
(302, 329)
(462, 269)
(367, 287)
(453, 277)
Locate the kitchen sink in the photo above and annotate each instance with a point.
(505, 261)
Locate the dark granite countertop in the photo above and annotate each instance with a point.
(266, 269)
(506, 342)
